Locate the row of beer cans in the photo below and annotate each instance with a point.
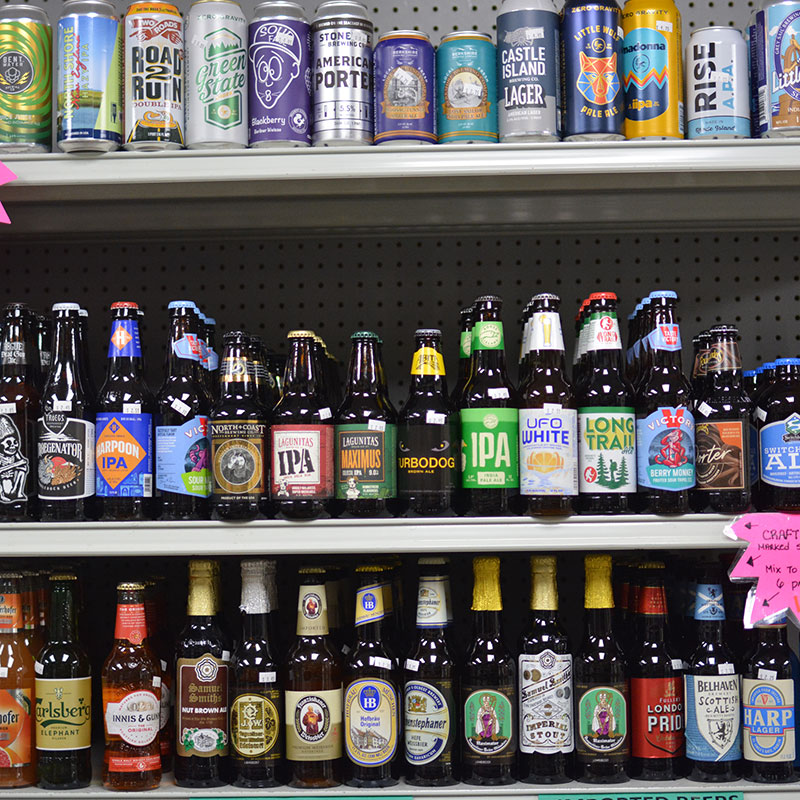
(154, 80)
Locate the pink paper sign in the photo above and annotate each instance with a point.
(772, 558)
(6, 175)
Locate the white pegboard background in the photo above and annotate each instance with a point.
(439, 18)
(339, 285)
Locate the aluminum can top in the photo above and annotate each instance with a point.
(22, 12)
(398, 34)
(717, 28)
(227, 2)
(102, 8)
(341, 8)
(279, 9)
(466, 35)
(163, 6)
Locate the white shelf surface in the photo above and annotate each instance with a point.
(465, 534)
(570, 186)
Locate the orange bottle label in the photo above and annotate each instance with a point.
(131, 623)
(10, 612)
(15, 727)
(134, 763)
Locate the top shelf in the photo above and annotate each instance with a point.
(619, 186)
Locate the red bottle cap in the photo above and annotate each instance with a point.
(602, 296)
(124, 304)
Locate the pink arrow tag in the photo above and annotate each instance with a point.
(6, 175)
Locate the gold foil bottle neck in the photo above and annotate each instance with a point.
(486, 594)
(544, 589)
(598, 582)
(202, 600)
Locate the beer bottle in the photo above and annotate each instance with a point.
(633, 343)
(523, 365)
(65, 431)
(125, 424)
(20, 408)
(702, 346)
(606, 418)
(657, 736)
(713, 732)
(320, 356)
(664, 422)
(723, 469)
(302, 436)
(213, 355)
(276, 366)
(579, 351)
(428, 435)
(601, 686)
(646, 327)
(489, 420)
(85, 361)
(546, 732)
(779, 439)
(336, 590)
(183, 407)
(63, 695)
(32, 634)
(202, 341)
(764, 382)
(44, 344)
(366, 437)
(488, 688)
(313, 692)
(255, 721)
(131, 680)
(265, 386)
(431, 685)
(371, 715)
(238, 438)
(548, 421)
(17, 678)
(768, 705)
(161, 646)
(465, 324)
(202, 654)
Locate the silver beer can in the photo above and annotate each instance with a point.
(342, 35)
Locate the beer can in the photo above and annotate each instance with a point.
(26, 107)
(717, 96)
(216, 75)
(89, 77)
(341, 93)
(593, 99)
(153, 82)
(528, 56)
(405, 106)
(466, 84)
(777, 55)
(652, 69)
(279, 54)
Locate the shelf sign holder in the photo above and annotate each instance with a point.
(6, 175)
(653, 794)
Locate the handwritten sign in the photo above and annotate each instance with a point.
(6, 175)
(772, 558)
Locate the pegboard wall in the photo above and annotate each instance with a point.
(340, 285)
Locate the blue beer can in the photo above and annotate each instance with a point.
(405, 85)
(593, 98)
(466, 83)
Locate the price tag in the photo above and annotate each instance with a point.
(226, 655)
(8, 408)
(157, 681)
(767, 675)
(412, 664)
(131, 408)
(38, 668)
(376, 425)
(704, 408)
(677, 663)
(433, 418)
(325, 413)
(346, 650)
(552, 407)
(725, 669)
(267, 677)
(3, 672)
(498, 393)
(163, 665)
(663, 25)
(181, 407)
(62, 405)
(380, 662)
(760, 413)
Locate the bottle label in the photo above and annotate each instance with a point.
(721, 357)
(369, 604)
(312, 612)
(651, 602)
(16, 707)
(548, 451)
(657, 717)
(124, 455)
(13, 354)
(256, 725)
(490, 448)
(432, 602)
(10, 613)
(720, 455)
(427, 361)
(14, 463)
(545, 703)
(131, 623)
(665, 449)
(235, 369)
(237, 453)
(607, 450)
(370, 722)
(63, 713)
(768, 720)
(465, 344)
(302, 462)
(709, 602)
(665, 337)
(166, 705)
(545, 332)
(488, 336)
(134, 763)
(779, 444)
(188, 347)
(366, 462)
(183, 458)
(603, 333)
(489, 724)
(66, 457)
(603, 719)
(427, 458)
(713, 732)
(124, 339)
(314, 725)
(429, 715)
(135, 716)
(201, 707)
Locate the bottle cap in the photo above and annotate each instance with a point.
(724, 330)
(434, 332)
(602, 296)
(750, 373)
(16, 307)
(124, 304)
(545, 296)
(66, 307)
(645, 301)
(202, 316)
(83, 312)
(232, 336)
(432, 561)
(768, 366)
(300, 335)
(210, 321)
(181, 304)
(365, 335)
(787, 362)
(488, 298)
(669, 294)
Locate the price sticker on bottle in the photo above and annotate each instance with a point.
(157, 681)
(226, 655)
(726, 669)
(62, 405)
(8, 408)
(376, 425)
(131, 408)
(180, 407)
(498, 393)
(704, 408)
(677, 663)
(434, 418)
(163, 665)
(267, 677)
(664, 26)
(760, 413)
(3, 672)
(325, 413)
(380, 662)
(38, 668)
(412, 665)
(767, 675)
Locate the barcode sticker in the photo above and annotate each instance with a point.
(226, 655)
(381, 662)
(763, 118)
(498, 393)
(376, 425)
(131, 408)
(412, 664)
(760, 413)
(704, 408)
(38, 668)
(325, 413)
(551, 407)
(434, 418)
(163, 665)
(663, 25)
(8, 408)
(181, 407)
(767, 675)
(677, 663)
(62, 405)
(725, 669)
(267, 677)
(147, 484)
(157, 681)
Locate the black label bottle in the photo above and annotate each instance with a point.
(465, 324)
(44, 345)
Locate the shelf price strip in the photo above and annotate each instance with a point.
(689, 794)
(6, 175)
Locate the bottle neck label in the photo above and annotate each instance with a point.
(370, 722)
(124, 455)
(489, 724)
(603, 332)
(652, 601)
(545, 332)
(133, 716)
(131, 623)
(603, 720)
(63, 713)
(201, 717)
(432, 602)
(66, 457)
(779, 444)
(427, 361)
(14, 461)
(13, 354)
(366, 461)
(665, 449)
(302, 462)
(721, 454)
(430, 715)
(369, 604)
(548, 451)
(234, 370)
(427, 458)
(713, 714)
(256, 726)
(607, 450)
(465, 344)
(238, 449)
(10, 613)
(768, 720)
(665, 337)
(657, 717)
(183, 458)
(709, 605)
(312, 611)
(490, 448)
(124, 339)
(187, 347)
(314, 725)
(720, 357)
(545, 682)
(488, 336)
